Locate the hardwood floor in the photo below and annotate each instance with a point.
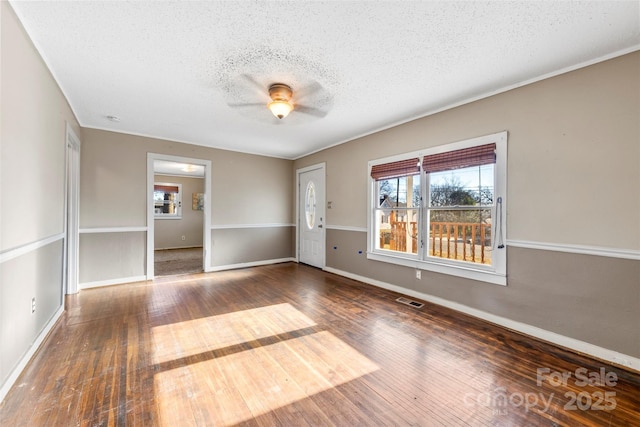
(291, 345)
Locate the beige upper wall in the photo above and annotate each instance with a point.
(32, 135)
(251, 189)
(573, 156)
(246, 189)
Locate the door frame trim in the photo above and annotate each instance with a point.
(323, 167)
(206, 232)
(71, 255)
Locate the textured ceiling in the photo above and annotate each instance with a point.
(184, 70)
(164, 167)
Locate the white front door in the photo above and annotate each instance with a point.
(311, 216)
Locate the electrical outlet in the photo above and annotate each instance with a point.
(184, 238)
(418, 274)
(33, 305)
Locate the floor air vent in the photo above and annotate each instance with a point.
(412, 303)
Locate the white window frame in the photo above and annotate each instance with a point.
(495, 273)
(178, 214)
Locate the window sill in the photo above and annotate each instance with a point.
(167, 217)
(466, 272)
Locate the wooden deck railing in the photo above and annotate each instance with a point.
(460, 240)
(452, 240)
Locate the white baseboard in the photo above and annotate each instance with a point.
(122, 280)
(11, 379)
(346, 228)
(235, 226)
(178, 247)
(552, 337)
(110, 282)
(249, 264)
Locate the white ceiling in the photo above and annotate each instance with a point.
(164, 167)
(175, 69)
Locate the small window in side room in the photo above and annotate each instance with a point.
(167, 199)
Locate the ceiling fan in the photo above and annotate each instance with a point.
(280, 99)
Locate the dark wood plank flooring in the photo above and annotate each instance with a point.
(290, 345)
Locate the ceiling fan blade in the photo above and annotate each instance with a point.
(309, 110)
(308, 90)
(260, 90)
(245, 105)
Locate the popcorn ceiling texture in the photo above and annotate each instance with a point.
(178, 70)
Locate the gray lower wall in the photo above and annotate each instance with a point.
(594, 299)
(245, 245)
(112, 256)
(116, 256)
(35, 274)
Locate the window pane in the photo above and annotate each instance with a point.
(400, 192)
(463, 235)
(166, 201)
(462, 187)
(397, 230)
(310, 205)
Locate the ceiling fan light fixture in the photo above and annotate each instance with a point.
(280, 109)
(280, 96)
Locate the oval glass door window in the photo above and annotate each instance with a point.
(310, 205)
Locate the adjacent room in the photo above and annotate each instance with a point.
(320, 213)
(178, 205)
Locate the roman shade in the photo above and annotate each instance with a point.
(458, 159)
(396, 169)
(166, 188)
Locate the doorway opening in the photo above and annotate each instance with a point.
(178, 215)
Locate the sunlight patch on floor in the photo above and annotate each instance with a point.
(231, 389)
(178, 340)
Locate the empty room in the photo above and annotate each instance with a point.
(268, 213)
